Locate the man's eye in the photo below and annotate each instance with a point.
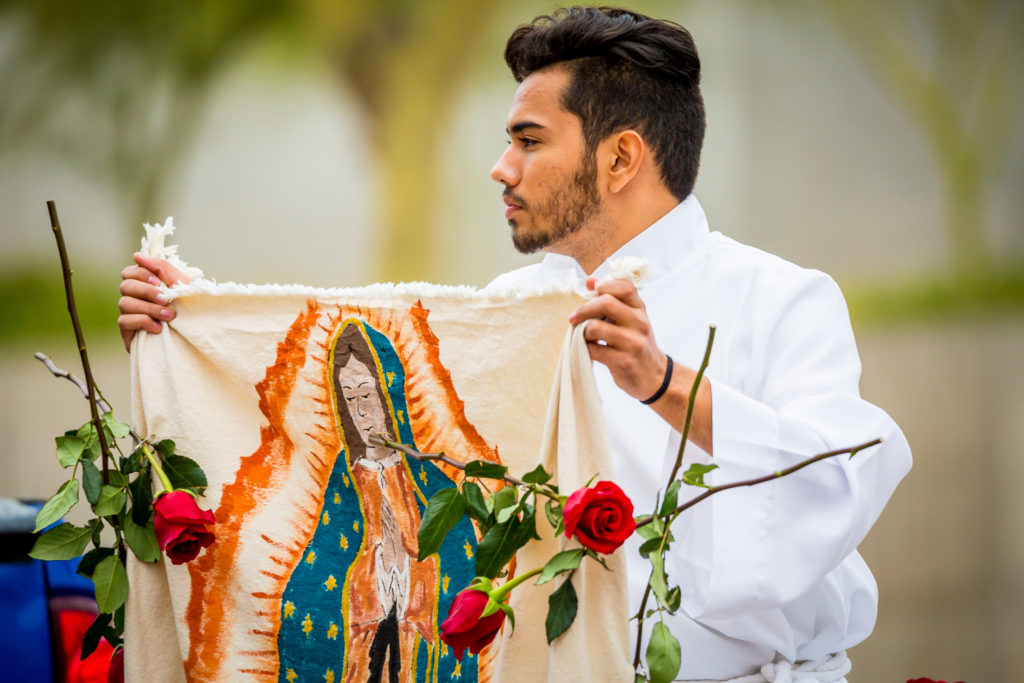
(527, 142)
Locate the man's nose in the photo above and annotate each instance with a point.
(504, 171)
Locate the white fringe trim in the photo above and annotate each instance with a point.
(381, 290)
(154, 245)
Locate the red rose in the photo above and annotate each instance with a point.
(601, 517)
(116, 673)
(464, 628)
(180, 526)
(926, 680)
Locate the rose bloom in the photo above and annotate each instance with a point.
(601, 517)
(926, 680)
(180, 526)
(464, 628)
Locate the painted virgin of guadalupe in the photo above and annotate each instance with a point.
(359, 607)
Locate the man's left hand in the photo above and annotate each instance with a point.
(620, 337)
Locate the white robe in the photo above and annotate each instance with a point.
(770, 570)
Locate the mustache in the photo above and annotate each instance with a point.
(514, 198)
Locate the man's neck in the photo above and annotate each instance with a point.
(619, 223)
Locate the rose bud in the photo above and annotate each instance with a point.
(116, 672)
(464, 628)
(601, 518)
(180, 526)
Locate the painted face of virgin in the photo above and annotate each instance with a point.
(550, 183)
(359, 391)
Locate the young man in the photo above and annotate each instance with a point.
(606, 129)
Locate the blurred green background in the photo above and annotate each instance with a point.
(343, 142)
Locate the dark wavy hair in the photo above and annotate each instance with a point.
(626, 71)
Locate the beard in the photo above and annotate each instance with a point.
(563, 212)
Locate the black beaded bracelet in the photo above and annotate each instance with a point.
(664, 383)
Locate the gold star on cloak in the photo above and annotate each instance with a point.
(289, 609)
(327, 519)
(332, 631)
(457, 673)
(469, 550)
(330, 583)
(291, 676)
(329, 676)
(307, 625)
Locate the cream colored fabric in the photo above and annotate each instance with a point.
(575, 446)
(240, 381)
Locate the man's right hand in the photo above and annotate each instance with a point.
(142, 306)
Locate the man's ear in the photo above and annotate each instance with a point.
(622, 155)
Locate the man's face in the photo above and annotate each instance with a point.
(550, 183)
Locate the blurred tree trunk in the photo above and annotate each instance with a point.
(404, 61)
(950, 65)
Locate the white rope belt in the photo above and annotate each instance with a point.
(829, 669)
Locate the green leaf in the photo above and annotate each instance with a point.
(183, 472)
(675, 597)
(87, 565)
(506, 514)
(505, 497)
(485, 469)
(135, 462)
(69, 450)
(165, 448)
(142, 540)
(538, 475)
(553, 511)
(118, 623)
(58, 505)
(443, 512)
(659, 582)
(695, 475)
(96, 531)
(92, 481)
(664, 656)
(651, 530)
(497, 547)
(141, 489)
(87, 433)
(111, 583)
(111, 500)
(116, 427)
(650, 545)
(671, 497)
(475, 505)
(562, 606)
(62, 542)
(92, 636)
(565, 561)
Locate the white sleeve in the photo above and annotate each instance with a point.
(775, 543)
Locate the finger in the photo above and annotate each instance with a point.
(128, 305)
(610, 308)
(615, 336)
(624, 290)
(167, 273)
(140, 290)
(131, 323)
(139, 273)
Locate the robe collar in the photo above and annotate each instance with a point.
(663, 244)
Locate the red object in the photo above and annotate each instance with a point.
(180, 526)
(464, 628)
(71, 627)
(116, 674)
(601, 518)
(926, 680)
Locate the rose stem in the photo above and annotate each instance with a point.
(69, 294)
